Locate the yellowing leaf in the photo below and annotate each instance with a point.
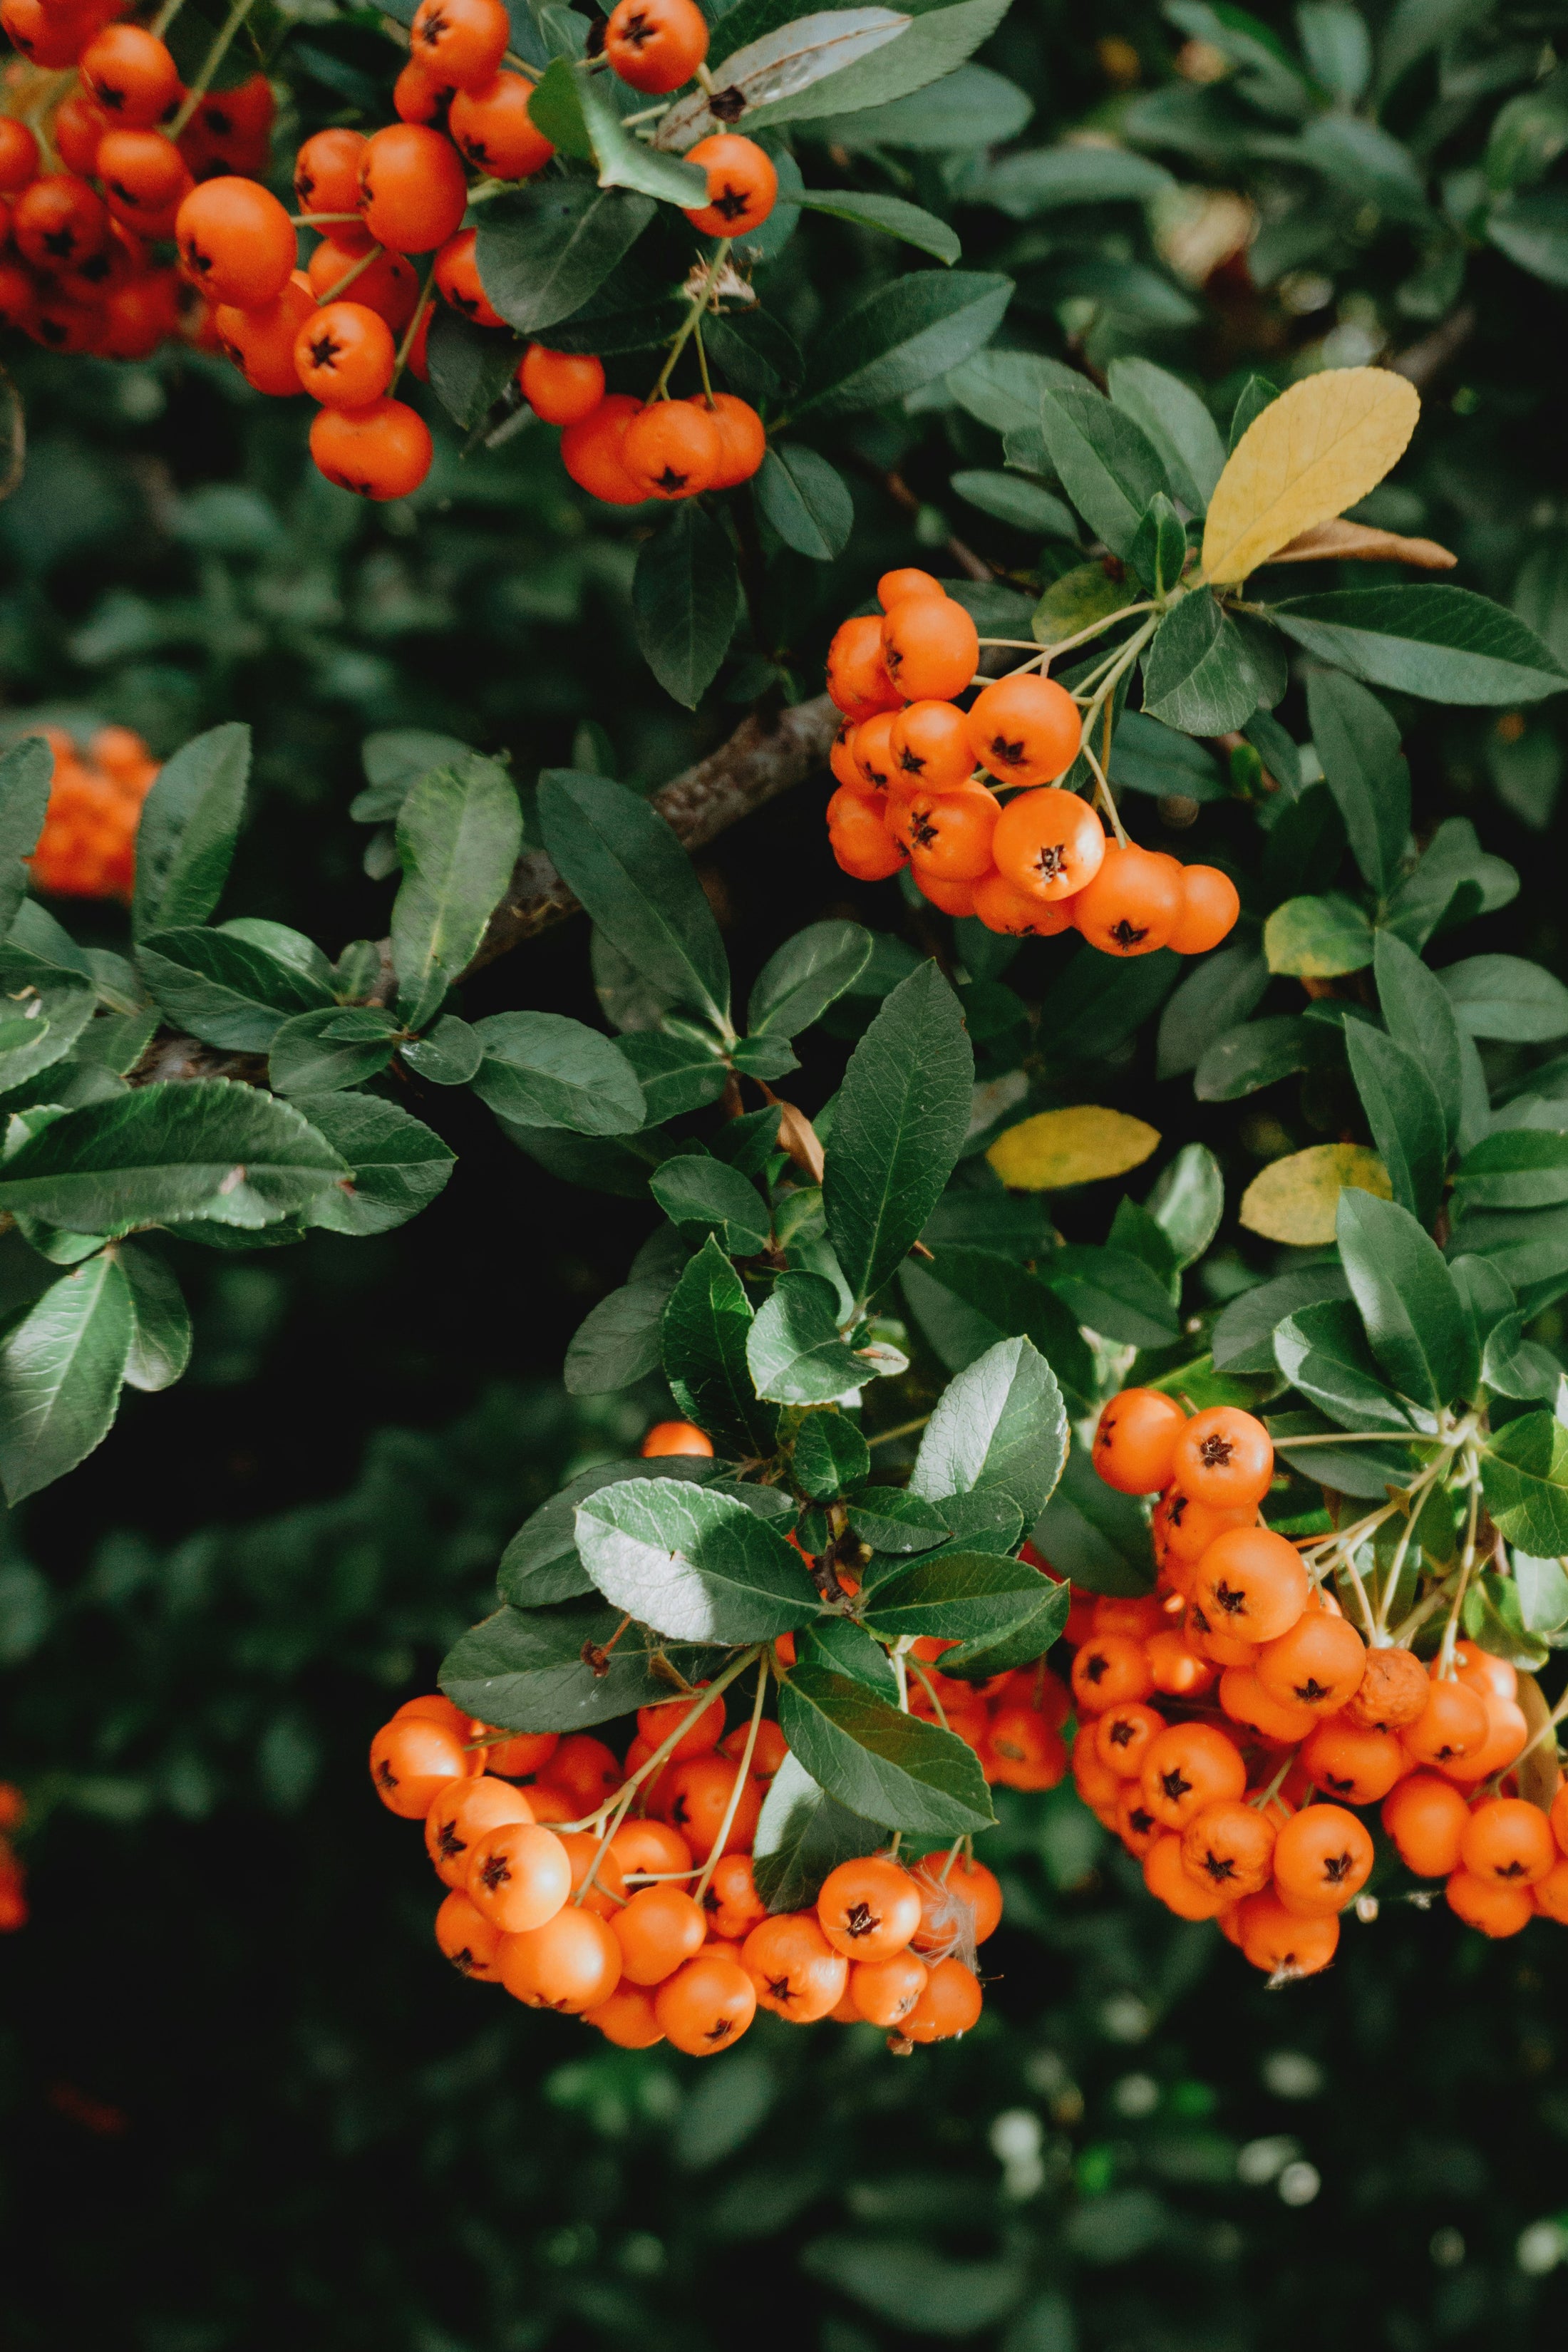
(1357, 543)
(1311, 453)
(1057, 1148)
(1296, 1200)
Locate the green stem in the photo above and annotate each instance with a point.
(744, 1765)
(165, 19)
(426, 296)
(699, 302)
(210, 64)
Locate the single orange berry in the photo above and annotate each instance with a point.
(1323, 1859)
(742, 185)
(461, 42)
(381, 451)
(949, 2004)
(1210, 905)
(345, 355)
(674, 1437)
(457, 281)
(930, 647)
(563, 387)
(706, 2005)
(494, 130)
(236, 242)
(1132, 906)
(794, 1969)
(1136, 1437)
(412, 194)
(656, 44)
(868, 1910)
(908, 581)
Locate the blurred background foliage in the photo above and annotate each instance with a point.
(244, 2099)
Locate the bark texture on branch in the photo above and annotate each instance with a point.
(764, 756)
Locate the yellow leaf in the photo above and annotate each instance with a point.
(1296, 1200)
(1057, 1148)
(1311, 453)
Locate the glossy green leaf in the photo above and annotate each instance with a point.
(160, 1322)
(703, 1195)
(399, 1164)
(933, 46)
(807, 500)
(1317, 938)
(226, 989)
(692, 1563)
(703, 1340)
(1414, 1315)
(1159, 551)
(901, 336)
(1107, 465)
(1517, 1167)
(802, 1835)
(448, 1055)
(61, 1367)
(1261, 1053)
(891, 215)
(1112, 1292)
(25, 773)
(523, 1669)
(189, 825)
(631, 873)
(1322, 1351)
(1454, 880)
(1170, 414)
(617, 1341)
(882, 1765)
(545, 248)
(459, 833)
(1403, 1114)
(1243, 1336)
(1021, 1305)
(471, 367)
(1524, 1481)
(954, 1596)
(1504, 996)
(541, 1564)
(337, 1046)
(1209, 1007)
(1188, 1201)
(677, 1074)
(1358, 744)
(1446, 645)
(544, 1070)
(804, 976)
(830, 1454)
(1514, 1365)
(999, 1428)
(1420, 1017)
(1196, 673)
(794, 1350)
(1094, 1535)
(686, 600)
(1356, 1468)
(1019, 1645)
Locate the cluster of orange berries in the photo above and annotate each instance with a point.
(12, 1878)
(647, 1922)
(917, 782)
(1229, 1724)
(88, 846)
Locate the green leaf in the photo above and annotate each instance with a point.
(46, 1010)
(889, 214)
(1020, 1306)
(939, 40)
(1159, 551)
(399, 1164)
(523, 1670)
(1322, 1351)
(830, 1454)
(1209, 1006)
(338, 1045)
(623, 160)
(686, 600)
(1420, 1017)
(802, 1835)
(450, 1055)
(1353, 1469)
(804, 976)
(702, 1195)
(1514, 1365)
(1542, 1593)
(807, 500)
(540, 1563)
(1403, 1114)
(1517, 1167)
(184, 1148)
(677, 1074)
(1003, 389)
(794, 1350)
(1171, 416)
(631, 873)
(1243, 1336)
(1533, 230)
(61, 1367)
(1112, 1292)
(692, 1563)
(884, 1766)
(1010, 499)
(617, 1341)
(1524, 1482)
(1414, 1318)
(1054, 179)
(1076, 601)
(1108, 467)
(545, 1070)
(839, 1646)
(543, 249)
(1317, 939)
(1453, 881)
(1000, 1428)
(901, 336)
(227, 990)
(1028, 1638)
(1446, 645)
(889, 1518)
(955, 1596)
(1093, 1535)
(1358, 744)
(189, 825)
(1261, 1053)
(1196, 673)
(459, 833)
(1504, 996)
(27, 772)
(967, 109)
(704, 1334)
(471, 367)
(899, 1125)
(160, 1322)
(1188, 1201)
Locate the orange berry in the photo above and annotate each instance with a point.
(458, 282)
(742, 185)
(733, 1904)
(1001, 907)
(412, 195)
(1484, 1671)
(930, 647)
(326, 171)
(960, 1903)
(858, 678)
(706, 2005)
(1280, 1942)
(674, 1437)
(420, 96)
(524, 1752)
(18, 155)
(467, 1937)
(1049, 843)
(131, 75)
(1393, 1691)
(345, 355)
(656, 1722)
(585, 1768)
(460, 42)
(1482, 1903)
(696, 1798)
(1027, 731)
(1426, 1818)
(1550, 1894)
(385, 284)
(656, 44)
(519, 1875)
(1186, 1528)
(929, 746)
(1171, 1883)
(1132, 904)
(494, 132)
(570, 1963)
(60, 222)
(1107, 1670)
(949, 2004)
(868, 1910)
(956, 898)
(236, 242)
(947, 836)
(1452, 1725)
(1251, 1584)
(1223, 1457)
(743, 436)
(648, 1845)
(380, 451)
(794, 1969)
(1187, 1767)
(1508, 1840)
(1508, 1735)
(1323, 1859)
(1210, 905)
(47, 36)
(262, 342)
(1136, 1437)
(894, 586)
(142, 173)
(671, 450)
(883, 1992)
(872, 748)
(589, 1856)
(1348, 1760)
(1319, 1664)
(591, 451)
(1135, 1824)
(627, 2018)
(768, 1751)
(1559, 1817)
(563, 387)
(1122, 1736)
(412, 1759)
(859, 837)
(1139, 1615)
(1174, 1669)
(460, 1816)
(1244, 1700)
(1022, 1750)
(658, 1930)
(1228, 1847)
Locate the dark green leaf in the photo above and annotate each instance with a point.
(677, 1074)
(189, 825)
(631, 873)
(999, 1428)
(900, 337)
(1243, 1336)
(692, 1563)
(1414, 1318)
(925, 53)
(160, 1321)
(1261, 1053)
(803, 1834)
(1188, 1201)
(1317, 938)
(1420, 1017)
(830, 1454)
(1159, 549)
(1257, 394)
(617, 1341)
(542, 1069)
(1107, 465)
(1111, 1292)
(1098, 1002)
(884, 1766)
(1305, 846)
(1093, 1535)
(199, 1147)
(891, 1520)
(1504, 996)
(1171, 416)
(1208, 1007)
(1019, 1304)
(623, 160)
(889, 214)
(703, 1340)
(45, 1013)
(1454, 881)
(459, 833)
(794, 1350)
(399, 1164)
(807, 501)
(523, 1670)
(1322, 1351)
(955, 1596)
(25, 773)
(804, 976)
(1358, 744)
(1196, 673)
(1028, 1639)
(1446, 645)
(450, 1055)
(337, 1046)
(618, 1165)
(899, 1125)
(1403, 1114)
(1011, 500)
(1517, 1167)
(1514, 1365)
(226, 989)
(686, 599)
(839, 1646)
(1359, 1469)
(1524, 1481)
(540, 1563)
(703, 1195)
(543, 249)
(60, 1372)
(471, 367)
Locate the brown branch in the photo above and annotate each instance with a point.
(766, 755)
